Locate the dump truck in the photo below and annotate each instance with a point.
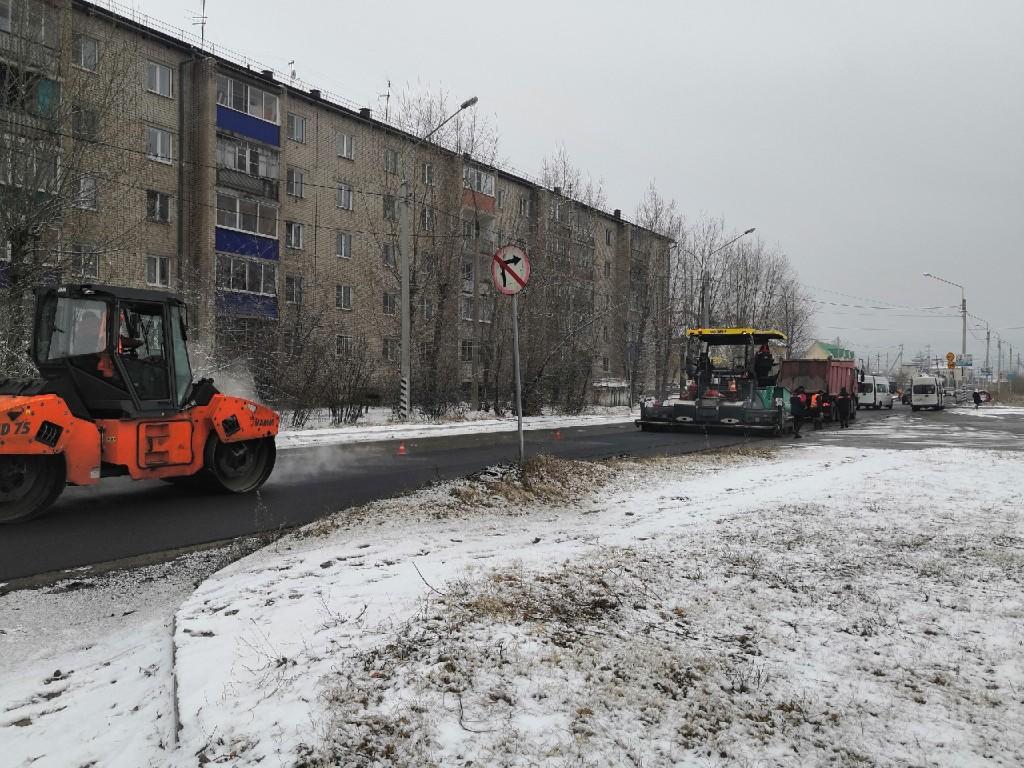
(733, 387)
(828, 375)
(115, 396)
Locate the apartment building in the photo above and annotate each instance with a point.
(275, 211)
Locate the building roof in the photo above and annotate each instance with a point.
(181, 40)
(836, 352)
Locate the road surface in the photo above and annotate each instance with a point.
(121, 519)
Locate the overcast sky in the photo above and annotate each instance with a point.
(872, 141)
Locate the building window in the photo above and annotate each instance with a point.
(246, 215)
(390, 349)
(390, 304)
(293, 234)
(466, 350)
(236, 273)
(466, 308)
(343, 296)
(604, 365)
(486, 310)
(607, 269)
(607, 236)
(478, 181)
(296, 128)
(293, 289)
(427, 219)
(5, 15)
(159, 145)
(346, 145)
(87, 194)
(158, 271)
(345, 196)
(296, 182)
(390, 161)
(85, 123)
(500, 199)
(428, 174)
(158, 79)
(604, 333)
(390, 259)
(467, 270)
(85, 261)
(247, 158)
(234, 94)
(389, 207)
(524, 205)
(343, 346)
(85, 50)
(555, 210)
(158, 206)
(343, 245)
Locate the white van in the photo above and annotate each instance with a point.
(926, 392)
(874, 392)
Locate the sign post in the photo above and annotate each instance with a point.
(510, 271)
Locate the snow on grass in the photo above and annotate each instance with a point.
(814, 604)
(85, 666)
(991, 411)
(823, 605)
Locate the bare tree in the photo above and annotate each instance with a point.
(66, 91)
(653, 314)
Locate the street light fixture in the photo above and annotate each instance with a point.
(963, 312)
(404, 252)
(705, 310)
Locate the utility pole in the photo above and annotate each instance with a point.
(988, 345)
(405, 253)
(999, 370)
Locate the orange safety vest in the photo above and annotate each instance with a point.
(814, 400)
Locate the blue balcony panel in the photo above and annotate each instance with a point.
(244, 244)
(246, 305)
(247, 125)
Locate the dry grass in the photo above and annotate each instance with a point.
(542, 480)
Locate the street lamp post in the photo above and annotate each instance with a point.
(703, 310)
(963, 312)
(404, 253)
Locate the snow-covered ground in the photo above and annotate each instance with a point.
(814, 604)
(380, 427)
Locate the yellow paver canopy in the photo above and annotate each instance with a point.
(725, 336)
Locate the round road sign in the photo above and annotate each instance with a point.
(510, 269)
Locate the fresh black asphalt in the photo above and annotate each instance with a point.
(120, 519)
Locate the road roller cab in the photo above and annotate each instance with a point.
(115, 396)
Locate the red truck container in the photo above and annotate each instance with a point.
(829, 375)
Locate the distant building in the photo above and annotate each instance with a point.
(273, 210)
(822, 350)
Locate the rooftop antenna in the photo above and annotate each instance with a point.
(291, 68)
(201, 21)
(387, 100)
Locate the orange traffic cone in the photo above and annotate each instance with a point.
(401, 448)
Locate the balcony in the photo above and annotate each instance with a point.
(243, 182)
